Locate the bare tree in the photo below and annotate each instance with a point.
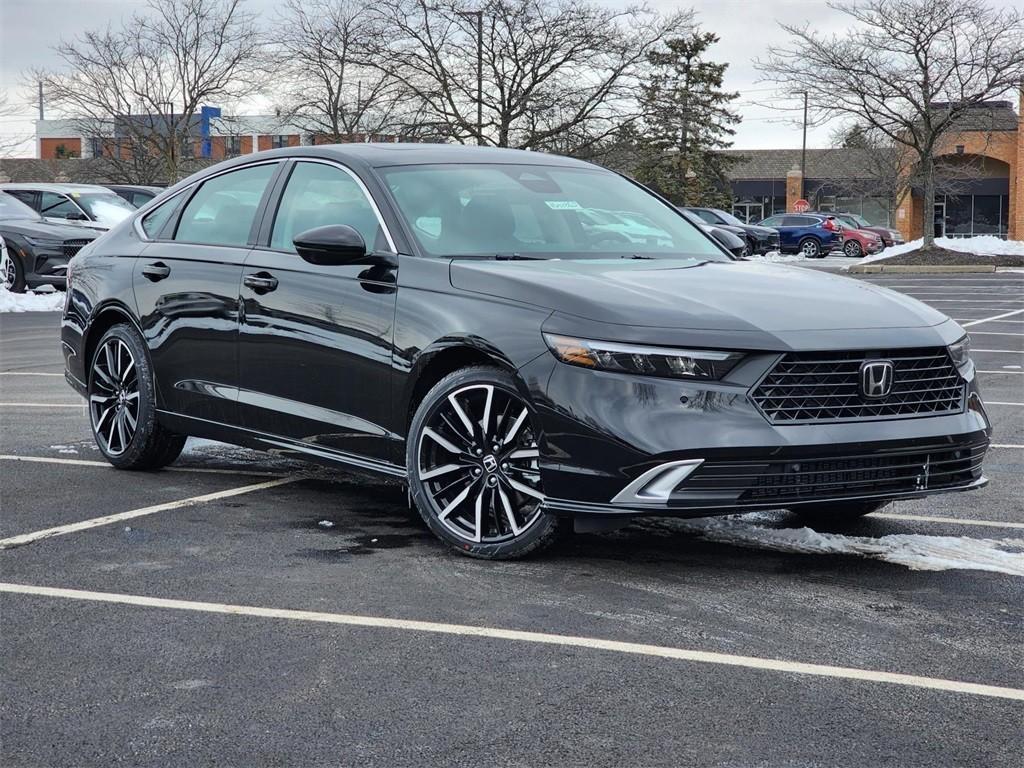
(908, 69)
(553, 74)
(324, 48)
(9, 141)
(134, 92)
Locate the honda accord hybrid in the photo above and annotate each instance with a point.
(443, 315)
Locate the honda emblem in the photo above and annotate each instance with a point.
(876, 379)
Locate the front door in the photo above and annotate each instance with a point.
(315, 342)
(940, 219)
(186, 285)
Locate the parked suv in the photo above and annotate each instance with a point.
(759, 239)
(889, 235)
(812, 234)
(37, 251)
(87, 205)
(439, 314)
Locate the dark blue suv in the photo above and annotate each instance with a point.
(812, 234)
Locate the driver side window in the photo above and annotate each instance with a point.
(320, 195)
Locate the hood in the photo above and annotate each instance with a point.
(731, 228)
(77, 223)
(664, 293)
(756, 229)
(43, 228)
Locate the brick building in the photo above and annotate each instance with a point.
(983, 159)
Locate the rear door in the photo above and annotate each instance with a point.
(186, 286)
(316, 341)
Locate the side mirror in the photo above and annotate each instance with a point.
(333, 245)
(76, 216)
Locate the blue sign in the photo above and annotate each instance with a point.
(205, 114)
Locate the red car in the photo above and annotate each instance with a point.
(860, 242)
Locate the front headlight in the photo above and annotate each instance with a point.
(641, 360)
(960, 351)
(43, 242)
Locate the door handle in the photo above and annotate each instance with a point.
(157, 271)
(261, 282)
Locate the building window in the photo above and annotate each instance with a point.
(96, 146)
(277, 142)
(232, 146)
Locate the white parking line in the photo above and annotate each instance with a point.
(89, 463)
(949, 520)
(996, 402)
(995, 317)
(545, 638)
(995, 333)
(43, 405)
(1008, 373)
(1005, 445)
(96, 522)
(29, 373)
(1000, 351)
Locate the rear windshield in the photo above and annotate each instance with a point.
(539, 211)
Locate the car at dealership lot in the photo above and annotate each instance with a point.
(860, 242)
(728, 239)
(813, 235)
(889, 235)
(87, 205)
(760, 239)
(136, 194)
(37, 250)
(440, 315)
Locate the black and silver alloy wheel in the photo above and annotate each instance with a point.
(10, 272)
(474, 466)
(852, 249)
(122, 407)
(114, 396)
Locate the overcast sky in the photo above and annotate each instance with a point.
(746, 27)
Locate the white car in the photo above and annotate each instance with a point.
(88, 205)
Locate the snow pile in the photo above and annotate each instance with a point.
(31, 302)
(915, 551)
(982, 245)
(775, 256)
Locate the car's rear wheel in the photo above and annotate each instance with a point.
(837, 512)
(852, 249)
(472, 456)
(12, 276)
(810, 248)
(122, 406)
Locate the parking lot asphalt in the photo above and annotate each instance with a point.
(242, 609)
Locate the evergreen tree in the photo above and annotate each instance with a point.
(687, 122)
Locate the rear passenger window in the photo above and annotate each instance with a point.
(154, 222)
(224, 208)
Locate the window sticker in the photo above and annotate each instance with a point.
(563, 205)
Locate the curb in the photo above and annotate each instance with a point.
(867, 269)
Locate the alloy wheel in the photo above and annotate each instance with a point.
(8, 270)
(852, 249)
(810, 249)
(478, 463)
(114, 396)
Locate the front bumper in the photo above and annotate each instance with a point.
(603, 431)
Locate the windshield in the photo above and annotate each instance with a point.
(728, 218)
(860, 221)
(106, 209)
(12, 208)
(539, 211)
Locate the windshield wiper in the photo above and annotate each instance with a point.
(517, 257)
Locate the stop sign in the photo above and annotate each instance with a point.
(801, 205)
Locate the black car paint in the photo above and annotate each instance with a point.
(761, 239)
(329, 365)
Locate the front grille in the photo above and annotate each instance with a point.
(815, 387)
(877, 474)
(71, 247)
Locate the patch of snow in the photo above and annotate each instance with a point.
(915, 551)
(982, 245)
(325, 524)
(776, 256)
(31, 302)
(64, 448)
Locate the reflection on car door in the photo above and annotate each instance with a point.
(315, 341)
(186, 286)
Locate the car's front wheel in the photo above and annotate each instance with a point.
(837, 512)
(852, 249)
(472, 457)
(122, 406)
(12, 277)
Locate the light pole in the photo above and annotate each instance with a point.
(479, 72)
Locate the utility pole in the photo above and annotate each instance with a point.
(803, 156)
(41, 100)
(479, 74)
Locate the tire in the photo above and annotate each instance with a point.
(120, 374)
(810, 248)
(468, 483)
(838, 512)
(853, 250)
(12, 272)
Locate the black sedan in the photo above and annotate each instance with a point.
(441, 315)
(37, 250)
(760, 239)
